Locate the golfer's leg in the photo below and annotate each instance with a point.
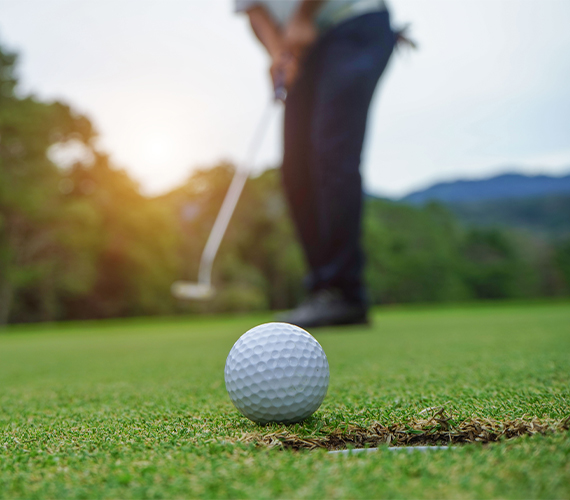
(351, 64)
(298, 179)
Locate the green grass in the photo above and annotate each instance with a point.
(138, 409)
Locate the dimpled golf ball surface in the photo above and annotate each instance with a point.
(277, 372)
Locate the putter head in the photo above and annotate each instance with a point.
(186, 290)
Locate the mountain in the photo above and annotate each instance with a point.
(501, 187)
(537, 204)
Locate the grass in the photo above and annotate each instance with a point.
(138, 409)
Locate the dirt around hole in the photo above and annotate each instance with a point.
(438, 429)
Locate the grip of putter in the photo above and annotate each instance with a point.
(279, 90)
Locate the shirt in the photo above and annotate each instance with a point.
(332, 12)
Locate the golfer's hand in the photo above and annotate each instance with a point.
(299, 35)
(284, 70)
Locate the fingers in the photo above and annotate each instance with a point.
(284, 70)
(300, 34)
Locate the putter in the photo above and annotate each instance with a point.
(203, 289)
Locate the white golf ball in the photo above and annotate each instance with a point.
(277, 372)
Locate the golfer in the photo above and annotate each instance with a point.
(329, 55)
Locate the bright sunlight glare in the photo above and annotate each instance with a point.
(158, 149)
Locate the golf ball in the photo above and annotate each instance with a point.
(277, 372)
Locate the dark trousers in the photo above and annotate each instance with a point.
(325, 122)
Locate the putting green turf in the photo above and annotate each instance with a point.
(138, 409)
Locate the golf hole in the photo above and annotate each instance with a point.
(438, 431)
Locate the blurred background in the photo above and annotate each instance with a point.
(121, 124)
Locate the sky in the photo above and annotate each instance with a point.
(172, 85)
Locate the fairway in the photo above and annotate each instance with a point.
(138, 408)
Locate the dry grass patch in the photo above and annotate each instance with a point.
(439, 428)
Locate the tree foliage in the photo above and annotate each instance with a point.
(36, 251)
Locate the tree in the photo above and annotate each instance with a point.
(493, 268)
(30, 200)
(135, 248)
(412, 253)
